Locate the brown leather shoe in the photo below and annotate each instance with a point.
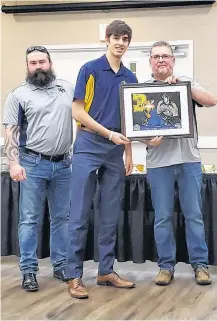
(76, 289)
(164, 277)
(113, 279)
(202, 276)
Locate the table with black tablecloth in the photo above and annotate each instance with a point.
(135, 234)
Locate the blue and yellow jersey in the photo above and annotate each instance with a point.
(98, 86)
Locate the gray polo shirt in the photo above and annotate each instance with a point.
(175, 151)
(44, 116)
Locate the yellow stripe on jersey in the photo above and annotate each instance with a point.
(89, 94)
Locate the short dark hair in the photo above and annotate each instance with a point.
(161, 44)
(166, 95)
(118, 28)
(38, 48)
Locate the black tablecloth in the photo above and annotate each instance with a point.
(135, 235)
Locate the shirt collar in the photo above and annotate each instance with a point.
(51, 85)
(106, 66)
(154, 80)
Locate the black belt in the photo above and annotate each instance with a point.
(53, 158)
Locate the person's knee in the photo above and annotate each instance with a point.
(28, 217)
(162, 221)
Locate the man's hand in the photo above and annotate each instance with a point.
(17, 173)
(154, 141)
(119, 139)
(172, 80)
(128, 165)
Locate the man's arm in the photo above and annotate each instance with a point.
(79, 114)
(175, 109)
(17, 172)
(11, 143)
(159, 107)
(199, 93)
(203, 97)
(128, 159)
(153, 142)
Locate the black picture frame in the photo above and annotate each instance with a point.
(156, 109)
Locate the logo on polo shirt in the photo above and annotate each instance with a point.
(123, 82)
(61, 89)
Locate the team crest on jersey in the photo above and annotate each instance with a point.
(61, 89)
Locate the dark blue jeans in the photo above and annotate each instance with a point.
(51, 180)
(162, 180)
(91, 153)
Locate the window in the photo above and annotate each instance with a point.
(133, 67)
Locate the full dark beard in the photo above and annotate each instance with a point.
(40, 78)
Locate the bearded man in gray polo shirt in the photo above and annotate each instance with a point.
(38, 122)
(170, 160)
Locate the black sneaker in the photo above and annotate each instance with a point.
(30, 283)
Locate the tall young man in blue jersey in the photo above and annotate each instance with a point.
(99, 146)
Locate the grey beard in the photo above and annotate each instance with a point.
(40, 78)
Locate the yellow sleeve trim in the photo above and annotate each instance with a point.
(89, 94)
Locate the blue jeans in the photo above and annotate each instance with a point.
(189, 179)
(94, 152)
(44, 179)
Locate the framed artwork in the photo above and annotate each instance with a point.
(156, 109)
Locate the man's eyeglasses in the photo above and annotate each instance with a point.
(37, 48)
(164, 57)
